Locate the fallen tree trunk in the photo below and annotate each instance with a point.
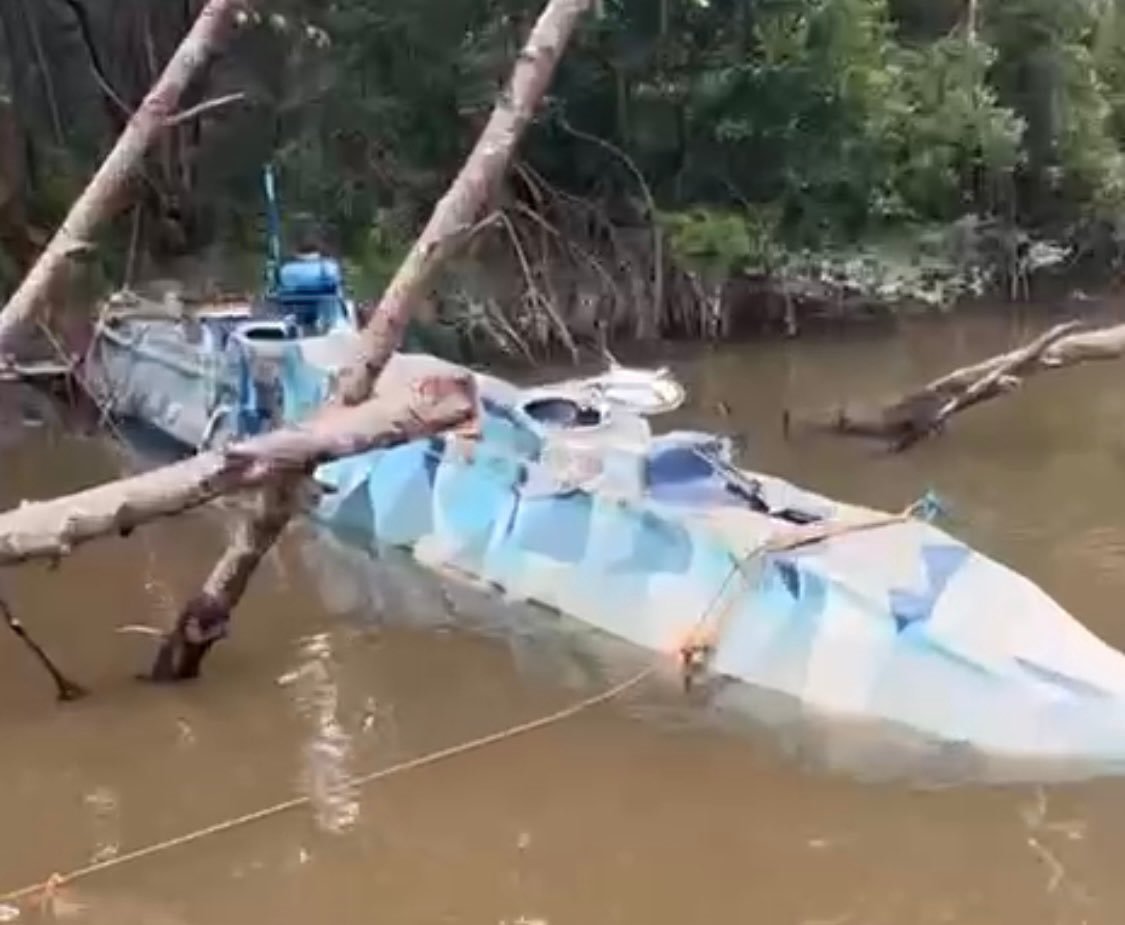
(52, 529)
(102, 195)
(911, 418)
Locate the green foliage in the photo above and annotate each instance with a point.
(762, 127)
(951, 132)
(371, 266)
(1059, 67)
(722, 243)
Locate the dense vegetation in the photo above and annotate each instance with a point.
(699, 162)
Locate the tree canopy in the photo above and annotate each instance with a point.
(748, 131)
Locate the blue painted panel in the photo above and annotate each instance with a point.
(401, 493)
(557, 527)
(941, 563)
(651, 545)
(468, 501)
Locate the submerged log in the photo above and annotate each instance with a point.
(925, 411)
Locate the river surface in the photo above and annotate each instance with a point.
(338, 666)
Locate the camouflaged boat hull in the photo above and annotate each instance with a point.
(903, 625)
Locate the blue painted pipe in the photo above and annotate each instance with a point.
(273, 226)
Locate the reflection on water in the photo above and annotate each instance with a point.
(637, 812)
(327, 750)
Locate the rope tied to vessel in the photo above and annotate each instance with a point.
(702, 641)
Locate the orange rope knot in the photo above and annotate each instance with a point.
(50, 889)
(696, 651)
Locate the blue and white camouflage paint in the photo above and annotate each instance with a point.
(903, 624)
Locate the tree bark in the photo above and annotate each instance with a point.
(100, 198)
(909, 419)
(205, 618)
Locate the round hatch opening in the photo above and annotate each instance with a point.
(558, 411)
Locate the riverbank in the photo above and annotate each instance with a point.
(504, 303)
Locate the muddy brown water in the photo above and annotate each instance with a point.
(616, 816)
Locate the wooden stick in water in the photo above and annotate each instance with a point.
(67, 690)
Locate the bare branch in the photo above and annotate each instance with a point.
(467, 196)
(207, 106)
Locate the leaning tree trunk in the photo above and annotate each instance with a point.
(103, 194)
(204, 619)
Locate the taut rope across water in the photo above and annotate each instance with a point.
(45, 888)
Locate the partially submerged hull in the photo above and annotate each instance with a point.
(199, 377)
(646, 537)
